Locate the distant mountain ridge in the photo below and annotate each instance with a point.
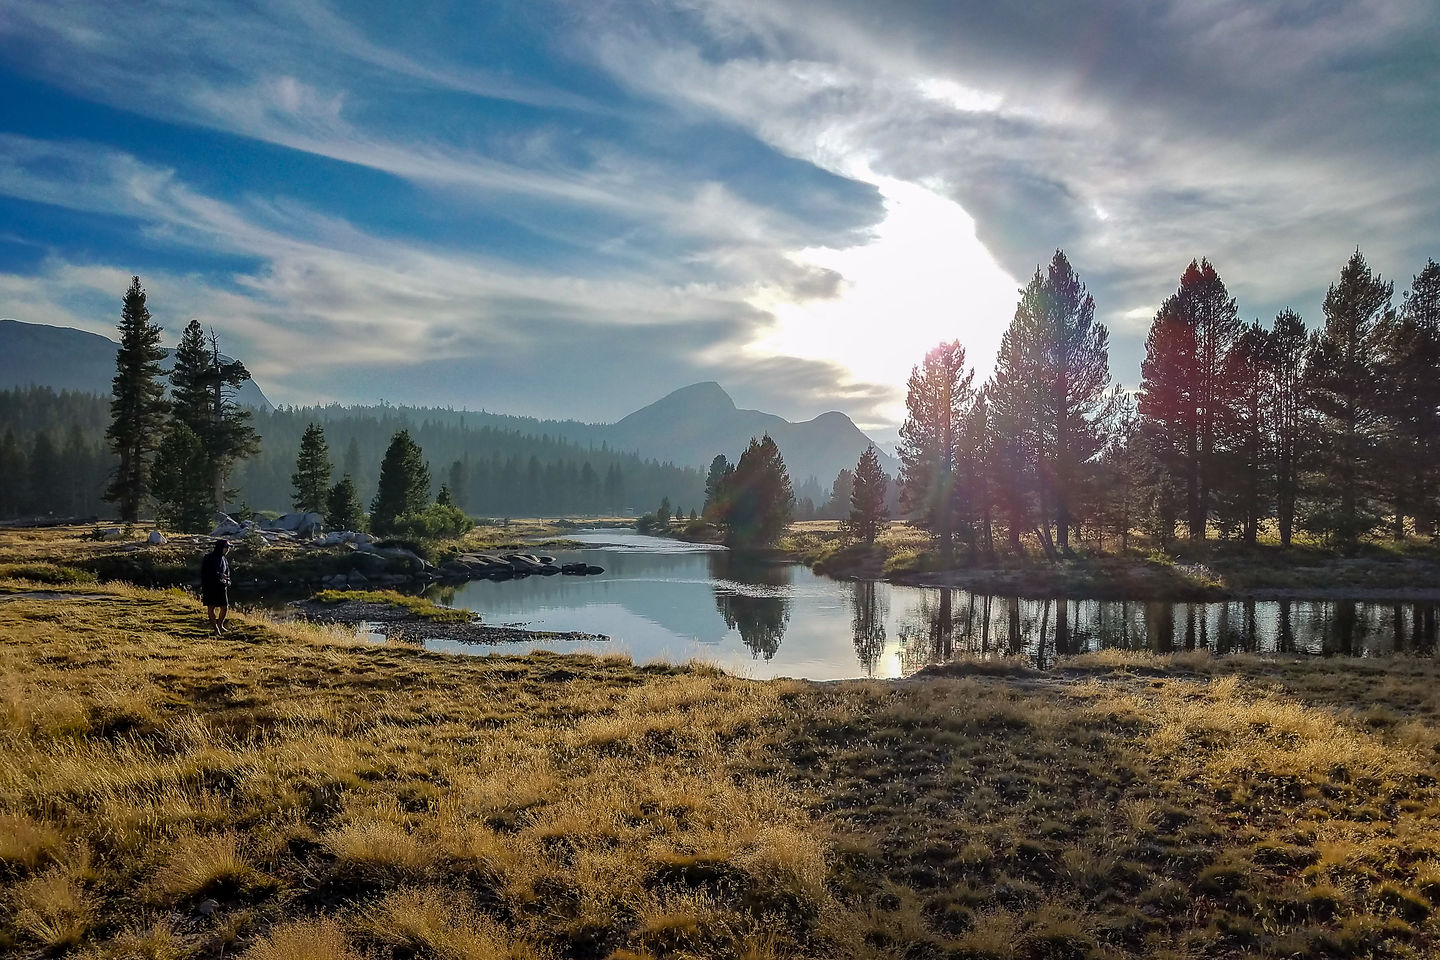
(687, 427)
(693, 424)
(63, 358)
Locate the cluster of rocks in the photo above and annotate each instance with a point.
(470, 566)
(291, 526)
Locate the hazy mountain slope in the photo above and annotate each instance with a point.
(693, 424)
(64, 358)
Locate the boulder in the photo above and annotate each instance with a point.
(156, 538)
(228, 526)
(296, 524)
(358, 579)
(112, 533)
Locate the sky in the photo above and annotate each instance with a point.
(570, 209)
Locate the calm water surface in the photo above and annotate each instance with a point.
(660, 599)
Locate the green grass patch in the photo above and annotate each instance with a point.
(45, 573)
(419, 606)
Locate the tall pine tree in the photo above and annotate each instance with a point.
(1341, 381)
(1184, 402)
(1287, 416)
(937, 401)
(1052, 387)
(867, 497)
(757, 500)
(137, 405)
(311, 478)
(1409, 364)
(404, 483)
(181, 480)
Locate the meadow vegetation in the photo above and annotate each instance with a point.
(1179, 570)
(78, 551)
(286, 792)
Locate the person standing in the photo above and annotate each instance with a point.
(215, 585)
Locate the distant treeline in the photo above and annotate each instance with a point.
(54, 460)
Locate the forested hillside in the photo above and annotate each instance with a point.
(53, 459)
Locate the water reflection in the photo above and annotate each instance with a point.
(869, 610)
(658, 599)
(945, 624)
(751, 597)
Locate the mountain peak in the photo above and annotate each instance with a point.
(707, 394)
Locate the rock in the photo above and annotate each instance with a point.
(358, 579)
(228, 526)
(207, 907)
(112, 533)
(131, 546)
(156, 538)
(455, 569)
(296, 524)
(592, 569)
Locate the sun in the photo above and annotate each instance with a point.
(923, 278)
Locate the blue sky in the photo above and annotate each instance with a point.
(569, 209)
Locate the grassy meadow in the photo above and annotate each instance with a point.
(285, 793)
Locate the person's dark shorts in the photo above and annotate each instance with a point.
(215, 597)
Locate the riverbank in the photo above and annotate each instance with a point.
(1215, 570)
(131, 558)
(285, 792)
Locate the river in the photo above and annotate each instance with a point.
(660, 599)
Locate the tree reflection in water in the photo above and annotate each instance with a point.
(869, 610)
(750, 595)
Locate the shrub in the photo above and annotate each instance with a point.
(435, 522)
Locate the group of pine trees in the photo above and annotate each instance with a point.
(402, 505)
(751, 501)
(1236, 427)
(176, 452)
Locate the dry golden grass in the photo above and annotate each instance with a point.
(288, 793)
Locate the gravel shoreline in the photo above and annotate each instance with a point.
(400, 624)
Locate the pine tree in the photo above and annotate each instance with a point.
(458, 480)
(1409, 364)
(1287, 414)
(1242, 486)
(444, 498)
(202, 392)
(757, 498)
(838, 506)
(1183, 398)
(937, 399)
(867, 497)
(404, 483)
(311, 478)
(1053, 388)
(14, 475)
(182, 491)
(137, 406)
(1342, 385)
(343, 510)
(190, 377)
(45, 478)
(232, 437)
(714, 481)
